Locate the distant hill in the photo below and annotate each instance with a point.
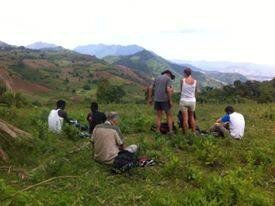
(4, 45)
(42, 45)
(102, 50)
(63, 72)
(228, 78)
(251, 71)
(225, 77)
(150, 64)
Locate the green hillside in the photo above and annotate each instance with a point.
(62, 72)
(148, 63)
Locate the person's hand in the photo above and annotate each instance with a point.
(171, 103)
(150, 101)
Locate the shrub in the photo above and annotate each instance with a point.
(14, 99)
(36, 103)
(192, 174)
(87, 87)
(71, 133)
(107, 93)
(171, 166)
(210, 154)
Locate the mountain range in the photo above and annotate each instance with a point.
(41, 45)
(251, 71)
(150, 64)
(102, 50)
(48, 65)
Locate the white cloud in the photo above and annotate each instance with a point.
(238, 30)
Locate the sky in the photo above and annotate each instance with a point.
(213, 30)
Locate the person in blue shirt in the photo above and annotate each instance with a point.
(231, 124)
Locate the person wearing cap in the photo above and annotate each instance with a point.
(188, 100)
(108, 140)
(162, 89)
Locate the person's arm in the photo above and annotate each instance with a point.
(225, 118)
(119, 141)
(169, 90)
(150, 92)
(218, 120)
(181, 86)
(170, 93)
(197, 89)
(64, 115)
(89, 117)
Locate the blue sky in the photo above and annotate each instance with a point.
(235, 30)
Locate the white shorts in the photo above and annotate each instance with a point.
(185, 105)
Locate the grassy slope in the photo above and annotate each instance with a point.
(190, 170)
(65, 72)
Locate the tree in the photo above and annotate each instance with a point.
(107, 93)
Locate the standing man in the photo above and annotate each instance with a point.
(163, 90)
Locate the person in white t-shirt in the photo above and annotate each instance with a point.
(57, 117)
(232, 123)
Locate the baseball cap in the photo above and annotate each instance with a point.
(169, 72)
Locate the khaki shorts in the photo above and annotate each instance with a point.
(184, 106)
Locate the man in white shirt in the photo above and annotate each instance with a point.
(232, 123)
(57, 117)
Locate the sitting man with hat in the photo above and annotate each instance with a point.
(162, 90)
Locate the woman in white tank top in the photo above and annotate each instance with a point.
(188, 100)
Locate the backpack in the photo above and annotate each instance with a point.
(124, 161)
(164, 128)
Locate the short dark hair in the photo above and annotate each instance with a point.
(187, 71)
(60, 104)
(94, 106)
(229, 109)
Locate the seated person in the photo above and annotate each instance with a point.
(95, 117)
(108, 140)
(232, 124)
(57, 117)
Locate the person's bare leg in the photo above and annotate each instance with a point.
(169, 117)
(184, 122)
(192, 120)
(158, 119)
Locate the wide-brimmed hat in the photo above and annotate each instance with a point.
(169, 72)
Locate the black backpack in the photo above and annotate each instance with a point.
(124, 161)
(164, 128)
